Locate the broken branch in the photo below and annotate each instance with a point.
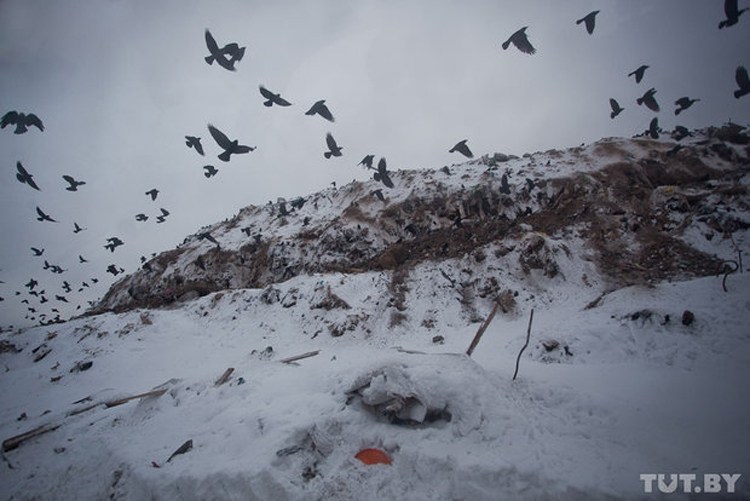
(528, 336)
(482, 328)
(299, 357)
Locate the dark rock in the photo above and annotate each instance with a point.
(687, 317)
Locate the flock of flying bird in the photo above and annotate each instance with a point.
(231, 54)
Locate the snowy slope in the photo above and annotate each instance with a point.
(618, 380)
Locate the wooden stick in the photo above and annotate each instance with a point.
(224, 377)
(120, 401)
(13, 442)
(485, 324)
(299, 357)
(528, 335)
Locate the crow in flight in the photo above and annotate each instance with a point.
(521, 41)
(152, 193)
(653, 128)
(31, 284)
(24, 177)
(379, 194)
(76, 228)
(42, 216)
(590, 20)
(37, 252)
(382, 174)
(320, 108)
(462, 148)
(219, 55)
(367, 162)
(21, 120)
(272, 98)
(684, 103)
(82, 260)
(113, 270)
(743, 81)
(73, 183)
(163, 216)
(114, 242)
(228, 146)
(732, 13)
(194, 142)
(638, 73)
(648, 99)
(616, 108)
(334, 149)
(141, 217)
(210, 170)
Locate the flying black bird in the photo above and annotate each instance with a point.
(24, 177)
(272, 98)
(462, 148)
(152, 193)
(194, 142)
(163, 216)
(73, 183)
(379, 194)
(616, 108)
(742, 81)
(219, 55)
(114, 242)
(21, 120)
(680, 132)
(521, 41)
(684, 103)
(590, 20)
(210, 170)
(66, 286)
(228, 146)
(82, 259)
(141, 217)
(382, 174)
(320, 108)
(114, 270)
(638, 73)
(31, 284)
(43, 216)
(367, 162)
(334, 149)
(653, 128)
(37, 252)
(732, 13)
(76, 228)
(61, 298)
(648, 99)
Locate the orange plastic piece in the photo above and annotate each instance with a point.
(373, 456)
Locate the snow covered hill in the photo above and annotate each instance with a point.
(638, 361)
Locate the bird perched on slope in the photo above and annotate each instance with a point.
(638, 73)
(732, 13)
(367, 162)
(684, 103)
(219, 55)
(334, 150)
(521, 42)
(616, 108)
(152, 193)
(272, 98)
(320, 108)
(590, 20)
(228, 146)
(462, 148)
(648, 99)
(24, 177)
(42, 216)
(73, 183)
(22, 121)
(194, 142)
(210, 170)
(382, 174)
(743, 81)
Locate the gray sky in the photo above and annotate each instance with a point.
(119, 84)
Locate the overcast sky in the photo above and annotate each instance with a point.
(119, 84)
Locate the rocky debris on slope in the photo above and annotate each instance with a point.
(631, 202)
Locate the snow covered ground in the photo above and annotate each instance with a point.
(630, 390)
